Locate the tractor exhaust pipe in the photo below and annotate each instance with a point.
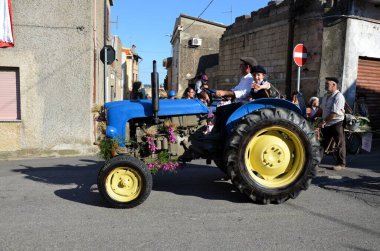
(155, 97)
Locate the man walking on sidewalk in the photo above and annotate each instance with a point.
(333, 116)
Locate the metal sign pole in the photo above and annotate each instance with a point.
(299, 79)
(105, 76)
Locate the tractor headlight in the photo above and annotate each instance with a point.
(111, 132)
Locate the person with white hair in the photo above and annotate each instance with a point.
(313, 111)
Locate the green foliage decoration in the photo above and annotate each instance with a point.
(108, 148)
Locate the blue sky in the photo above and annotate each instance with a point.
(148, 24)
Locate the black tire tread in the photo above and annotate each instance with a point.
(131, 162)
(262, 195)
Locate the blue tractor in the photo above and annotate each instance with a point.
(266, 147)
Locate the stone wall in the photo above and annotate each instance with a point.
(264, 35)
(335, 33)
(332, 53)
(310, 33)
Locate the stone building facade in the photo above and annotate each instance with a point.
(264, 35)
(131, 66)
(342, 37)
(58, 75)
(195, 44)
(116, 72)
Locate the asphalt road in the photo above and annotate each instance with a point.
(53, 204)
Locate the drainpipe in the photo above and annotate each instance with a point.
(105, 52)
(289, 60)
(95, 60)
(95, 53)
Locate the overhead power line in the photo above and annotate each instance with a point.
(208, 5)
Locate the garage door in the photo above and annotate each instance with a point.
(368, 84)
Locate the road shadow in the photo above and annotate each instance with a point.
(193, 180)
(363, 160)
(201, 181)
(346, 223)
(360, 184)
(360, 179)
(82, 175)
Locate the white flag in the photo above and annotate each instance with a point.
(6, 32)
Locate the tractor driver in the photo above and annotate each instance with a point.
(239, 93)
(243, 89)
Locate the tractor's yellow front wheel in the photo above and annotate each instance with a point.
(125, 182)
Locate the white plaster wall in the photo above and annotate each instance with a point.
(362, 40)
(54, 51)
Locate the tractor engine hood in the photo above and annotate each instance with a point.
(120, 112)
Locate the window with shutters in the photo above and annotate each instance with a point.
(9, 94)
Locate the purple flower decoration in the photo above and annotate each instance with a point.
(168, 167)
(210, 114)
(151, 145)
(172, 137)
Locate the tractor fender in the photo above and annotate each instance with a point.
(257, 105)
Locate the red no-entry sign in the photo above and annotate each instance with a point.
(300, 54)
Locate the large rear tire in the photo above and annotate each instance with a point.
(272, 155)
(221, 165)
(125, 182)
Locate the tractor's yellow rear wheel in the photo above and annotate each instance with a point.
(272, 155)
(124, 182)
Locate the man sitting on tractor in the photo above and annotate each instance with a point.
(238, 94)
(243, 88)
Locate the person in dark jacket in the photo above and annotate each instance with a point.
(259, 86)
(137, 92)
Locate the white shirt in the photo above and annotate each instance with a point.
(243, 89)
(198, 86)
(333, 103)
(260, 83)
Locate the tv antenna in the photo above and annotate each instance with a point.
(116, 22)
(230, 11)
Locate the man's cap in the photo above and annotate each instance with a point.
(259, 69)
(204, 77)
(332, 79)
(171, 93)
(249, 60)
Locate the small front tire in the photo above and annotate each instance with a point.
(125, 182)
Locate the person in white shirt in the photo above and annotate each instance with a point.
(200, 82)
(333, 115)
(242, 90)
(238, 94)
